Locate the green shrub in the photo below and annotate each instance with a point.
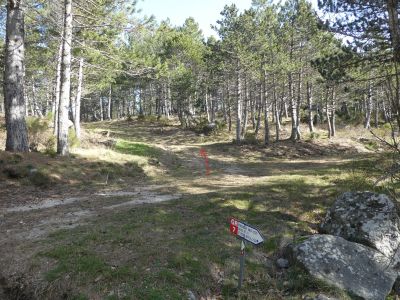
(16, 172)
(50, 146)
(40, 179)
(314, 135)
(202, 126)
(38, 130)
(250, 138)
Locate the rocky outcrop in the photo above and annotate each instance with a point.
(366, 218)
(359, 248)
(347, 265)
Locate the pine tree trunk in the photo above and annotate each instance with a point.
(207, 106)
(37, 109)
(310, 112)
(14, 101)
(259, 110)
(367, 123)
(224, 105)
(167, 100)
(109, 110)
(376, 124)
(58, 87)
(238, 107)
(385, 113)
(298, 105)
(228, 98)
(62, 137)
(264, 100)
(328, 115)
(246, 108)
(77, 114)
(333, 112)
(253, 104)
(393, 18)
(276, 110)
(293, 109)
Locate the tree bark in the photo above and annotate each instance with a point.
(393, 17)
(293, 109)
(310, 112)
(65, 91)
(77, 108)
(276, 111)
(333, 112)
(109, 110)
(367, 123)
(207, 107)
(14, 100)
(246, 108)
(258, 121)
(328, 115)
(58, 87)
(298, 105)
(238, 106)
(264, 101)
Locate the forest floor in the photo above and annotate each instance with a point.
(132, 213)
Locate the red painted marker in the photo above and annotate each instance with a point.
(203, 154)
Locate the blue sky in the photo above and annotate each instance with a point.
(205, 12)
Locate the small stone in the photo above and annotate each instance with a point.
(33, 171)
(282, 263)
(323, 297)
(191, 295)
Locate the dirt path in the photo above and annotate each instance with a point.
(35, 221)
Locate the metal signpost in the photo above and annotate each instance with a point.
(244, 232)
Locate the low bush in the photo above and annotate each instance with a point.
(202, 126)
(38, 131)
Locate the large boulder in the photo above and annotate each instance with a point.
(356, 268)
(367, 218)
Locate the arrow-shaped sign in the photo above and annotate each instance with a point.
(245, 231)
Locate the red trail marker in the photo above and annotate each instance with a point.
(203, 154)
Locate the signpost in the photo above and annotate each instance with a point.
(244, 232)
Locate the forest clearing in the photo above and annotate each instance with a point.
(200, 150)
(158, 227)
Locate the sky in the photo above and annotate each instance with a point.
(205, 12)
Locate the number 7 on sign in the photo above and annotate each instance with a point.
(234, 226)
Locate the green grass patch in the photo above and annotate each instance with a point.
(138, 149)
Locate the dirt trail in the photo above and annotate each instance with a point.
(37, 220)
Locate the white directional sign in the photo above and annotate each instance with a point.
(245, 231)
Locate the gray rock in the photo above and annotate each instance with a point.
(323, 297)
(349, 266)
(396, 287)
(191, 296)
(282, 263)
(367, 218)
